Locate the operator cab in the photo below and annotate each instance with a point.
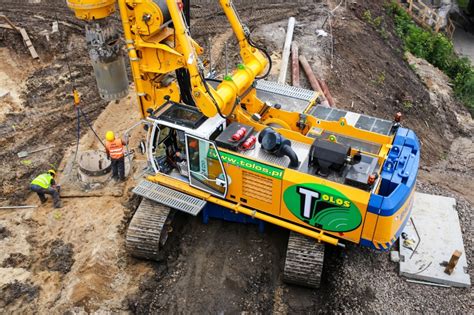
(180, 145)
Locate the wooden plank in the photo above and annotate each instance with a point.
(28, 43)
(4, 17)
(6, 26)
(24, 35)
(453, 262)
(286, 51)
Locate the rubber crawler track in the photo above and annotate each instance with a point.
(304, 261)
(147, 230)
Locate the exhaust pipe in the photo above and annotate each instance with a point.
(290, 153)
(274, 143)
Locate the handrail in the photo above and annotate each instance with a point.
(426, 16)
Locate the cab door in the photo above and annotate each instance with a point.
(155, 149)
(205, 168)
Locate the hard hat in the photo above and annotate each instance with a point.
(52, 172)
(109, 136)
(193, 144)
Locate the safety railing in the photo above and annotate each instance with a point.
(427, 17)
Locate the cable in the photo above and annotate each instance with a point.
(206, 86)
(90, 126)
(73, 82)
(252, 43)
(78, 134)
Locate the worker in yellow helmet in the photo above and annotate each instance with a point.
(115, 149)
(45, 184)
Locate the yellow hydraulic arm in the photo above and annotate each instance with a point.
(222, 99)
(183, 55)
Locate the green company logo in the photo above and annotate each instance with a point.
(322, 207)
(248, 164)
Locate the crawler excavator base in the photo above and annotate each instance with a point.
(304, 261)
(148, 229)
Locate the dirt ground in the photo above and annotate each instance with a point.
(73, 259)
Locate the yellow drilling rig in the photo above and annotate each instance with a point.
(234, 147)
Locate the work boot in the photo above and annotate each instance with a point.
(58, 205)
(43, 201)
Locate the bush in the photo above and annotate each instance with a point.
(438, 50)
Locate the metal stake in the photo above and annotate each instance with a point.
(225, 53)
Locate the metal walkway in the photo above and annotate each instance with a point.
(169, 197)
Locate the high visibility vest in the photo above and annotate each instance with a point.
(43, 180)
(115, 149)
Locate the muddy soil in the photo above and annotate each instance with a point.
(4, 232)
(17, 260)
(75, 255)
(219, 267)
(40, 111)
(16, 290)
(59, 257)
(375, 78)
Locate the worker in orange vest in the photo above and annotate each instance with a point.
(115, 149)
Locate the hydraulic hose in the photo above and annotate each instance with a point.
(265, 52)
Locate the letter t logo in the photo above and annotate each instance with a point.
(308, 199)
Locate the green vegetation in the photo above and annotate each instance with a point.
(407, 104)
(463, 3)
(377, 23)
(438, 50)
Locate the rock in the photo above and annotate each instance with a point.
(394, 256)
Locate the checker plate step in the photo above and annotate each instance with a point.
(170, 197)
(286, 90)
(304, 261)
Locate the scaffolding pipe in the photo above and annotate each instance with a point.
(312, 80)
(295, 66)
(327, 93)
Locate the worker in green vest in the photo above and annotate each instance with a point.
(45, 184)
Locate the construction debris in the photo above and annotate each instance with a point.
(18, 207)
(295, 66)
(23, 154)
(312, 80)
(23, 33)
(453, 262)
